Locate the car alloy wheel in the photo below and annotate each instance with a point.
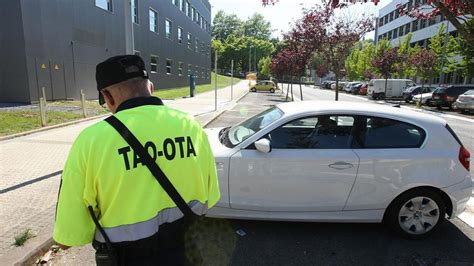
(253, 90)
(418, 215)
(272, 90)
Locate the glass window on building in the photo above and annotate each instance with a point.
(198, 18)
(390, 16)
(385, 19)
(176, 3)
(407, 28)
(380, 22)
(135, 11)
(422, 23)
(180, 35)
(193, 13)
(395, 33)
(389, 35)
(400, 31)
(189, 40)
(169, 62)
(168, 28)
(196, 46)
(414, 26)
(188, 9)
(190, 69)
(153, 21)
(397, 13)
(104, 4)
(153, 64)
(180, 68)
(448, 78)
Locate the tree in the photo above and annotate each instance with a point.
(265, 66)
(455, 11)
(256, 26)
(423, 61)
(225, 25)
(359, 61)
(385, 62)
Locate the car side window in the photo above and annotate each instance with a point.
(317, 132)
(384, 133)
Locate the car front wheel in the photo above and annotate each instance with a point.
(416, 213)
(272, 90)
(253, 89)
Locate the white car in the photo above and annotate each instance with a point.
(342, 162)
(425, 98)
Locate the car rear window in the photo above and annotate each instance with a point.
(383, 133)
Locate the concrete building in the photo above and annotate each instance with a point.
(54, 45)
(394, 27)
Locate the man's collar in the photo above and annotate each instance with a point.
(140, 101)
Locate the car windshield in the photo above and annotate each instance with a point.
(247, 128)
(469, 92)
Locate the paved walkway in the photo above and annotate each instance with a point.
(30, 168)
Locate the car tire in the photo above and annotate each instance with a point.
(272, 90)
(416, 213)
(253, 90)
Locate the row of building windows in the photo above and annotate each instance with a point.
(410, 27)
(192, 13)
(396, 14)
(196, 70)
(199, 47)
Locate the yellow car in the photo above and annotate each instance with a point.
(265, 85)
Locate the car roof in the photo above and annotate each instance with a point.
(342, 107)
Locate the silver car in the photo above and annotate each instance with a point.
(465, 102)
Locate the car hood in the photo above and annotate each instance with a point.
(213, 136)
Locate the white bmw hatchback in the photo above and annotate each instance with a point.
(342, 162)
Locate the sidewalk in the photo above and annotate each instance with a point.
(31, 168)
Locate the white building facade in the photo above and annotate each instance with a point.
(394, 27)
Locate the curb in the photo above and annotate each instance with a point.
(219, 113)
(28, 254)
(30, 257)
(21, 134)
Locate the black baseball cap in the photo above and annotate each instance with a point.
(117, 69)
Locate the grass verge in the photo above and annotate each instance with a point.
(21, 238)
(25, 119)
(173, 93)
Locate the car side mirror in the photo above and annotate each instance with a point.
(263, 145)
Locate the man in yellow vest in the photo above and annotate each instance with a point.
(109, 194)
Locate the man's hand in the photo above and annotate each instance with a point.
(63, 247)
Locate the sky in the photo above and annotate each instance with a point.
(285, 12)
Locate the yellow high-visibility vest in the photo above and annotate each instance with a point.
(103, 171)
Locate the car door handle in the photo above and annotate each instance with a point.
(341, 165)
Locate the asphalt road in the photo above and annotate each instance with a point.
(291, 243)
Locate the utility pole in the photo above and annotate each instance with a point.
(250, 58)
(215, 81)
(232, 79)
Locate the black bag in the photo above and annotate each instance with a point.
(106, 254)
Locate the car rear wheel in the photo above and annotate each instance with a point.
(253, 89)
(272, 90)
(416, 213)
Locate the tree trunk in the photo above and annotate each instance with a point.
(287, 91)
(301, 91)
(337, 88)
(385, 93)
(292, 96)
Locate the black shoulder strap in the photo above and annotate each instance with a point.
(151, 164)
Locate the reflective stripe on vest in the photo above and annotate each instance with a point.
(133, 232)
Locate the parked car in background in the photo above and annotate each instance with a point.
(465, 102)
(341, 85)
(363, 89)
(349, 85)
(414, 90)
(395, 88)
(327, 84)
(264, 85)
(342, 161)
(424, 98)
(445, 97)
(355, 88)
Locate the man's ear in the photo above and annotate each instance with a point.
(108, 97)
(152, 87)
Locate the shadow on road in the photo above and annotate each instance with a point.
(294, 243)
